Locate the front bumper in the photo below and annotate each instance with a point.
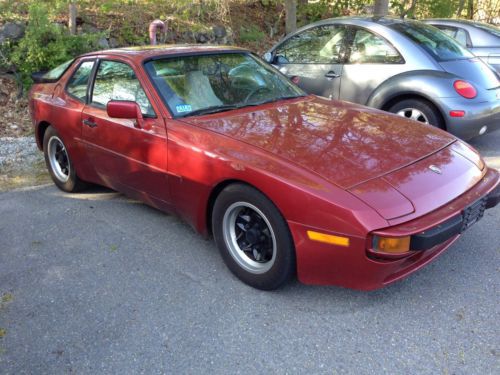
(480, 117)
(350, 267)
(456, 225)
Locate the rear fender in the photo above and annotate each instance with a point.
(429, 84)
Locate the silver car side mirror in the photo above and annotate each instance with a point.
(268, 57)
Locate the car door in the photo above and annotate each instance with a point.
(315, 59)
(127, 155)
(371, 61)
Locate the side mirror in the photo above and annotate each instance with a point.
(268, 57)
(280, 60)
(125, 109)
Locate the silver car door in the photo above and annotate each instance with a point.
(314, 58)
(371, 61)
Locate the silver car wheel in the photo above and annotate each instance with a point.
(59, 160)
(413, 114)
(249, 237)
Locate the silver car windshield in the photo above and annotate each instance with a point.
(202, 84)
(439, 45)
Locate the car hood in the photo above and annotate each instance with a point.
(346, 144)
(473, 70)
(425, 185)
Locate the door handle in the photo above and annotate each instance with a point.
(331, 74)
(89, 123)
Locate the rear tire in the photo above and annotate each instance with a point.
(59, 164)
(418, 110)
(253, 238)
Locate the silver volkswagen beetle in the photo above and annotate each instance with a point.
(481, 39)
(401, 66)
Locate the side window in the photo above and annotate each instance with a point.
(448, 30)
(320, 45)
(368, 48)
(461, 37)
(117, 81)
(77, 84)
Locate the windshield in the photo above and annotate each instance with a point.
(439, 45)
(201, 84)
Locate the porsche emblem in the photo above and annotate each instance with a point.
(435, 169)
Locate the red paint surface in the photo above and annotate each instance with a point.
(329, 166)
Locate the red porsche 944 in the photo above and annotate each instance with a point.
(287, 183)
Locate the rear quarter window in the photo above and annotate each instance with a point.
(58, 71)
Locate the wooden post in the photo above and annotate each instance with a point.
(290, 16)
(381, 8)
(72, 17)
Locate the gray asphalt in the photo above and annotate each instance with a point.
(96, 283)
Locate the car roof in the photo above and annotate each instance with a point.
(448, 20)
(386, 20)
(147, 52)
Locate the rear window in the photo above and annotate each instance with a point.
(58, 71)
(435, 42)
(488, 28)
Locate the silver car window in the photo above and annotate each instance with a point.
(435, 42)
(319, 45)
(368, 48)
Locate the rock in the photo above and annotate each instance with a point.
(202, 37)
(87, 28)
(103, 43)
(219, 32)
(113, 43)
(12, 31)
(188, 37)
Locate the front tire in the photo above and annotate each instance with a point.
(418, 110)
(253, 238)
(58, 162)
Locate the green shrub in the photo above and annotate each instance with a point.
(251, 34)
(46, 45)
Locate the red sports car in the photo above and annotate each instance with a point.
(287, 183)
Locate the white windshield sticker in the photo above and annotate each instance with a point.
(182, 108)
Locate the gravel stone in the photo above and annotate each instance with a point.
(22, 150)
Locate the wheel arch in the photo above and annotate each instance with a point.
(215, 192)
(415, 96)
(40, 130)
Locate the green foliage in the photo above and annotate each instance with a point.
(251, 34)
(46, 45)
(321, 9)
(130, 35)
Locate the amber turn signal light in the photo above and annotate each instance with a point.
(392, 245)
(328, 238)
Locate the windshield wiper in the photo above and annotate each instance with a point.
(284, 97)
(212, 109)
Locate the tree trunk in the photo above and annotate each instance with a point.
(72, 18)
(461, 5)
(291, 16)
(381, 8)
(470, 9)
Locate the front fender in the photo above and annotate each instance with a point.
(429, 84)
